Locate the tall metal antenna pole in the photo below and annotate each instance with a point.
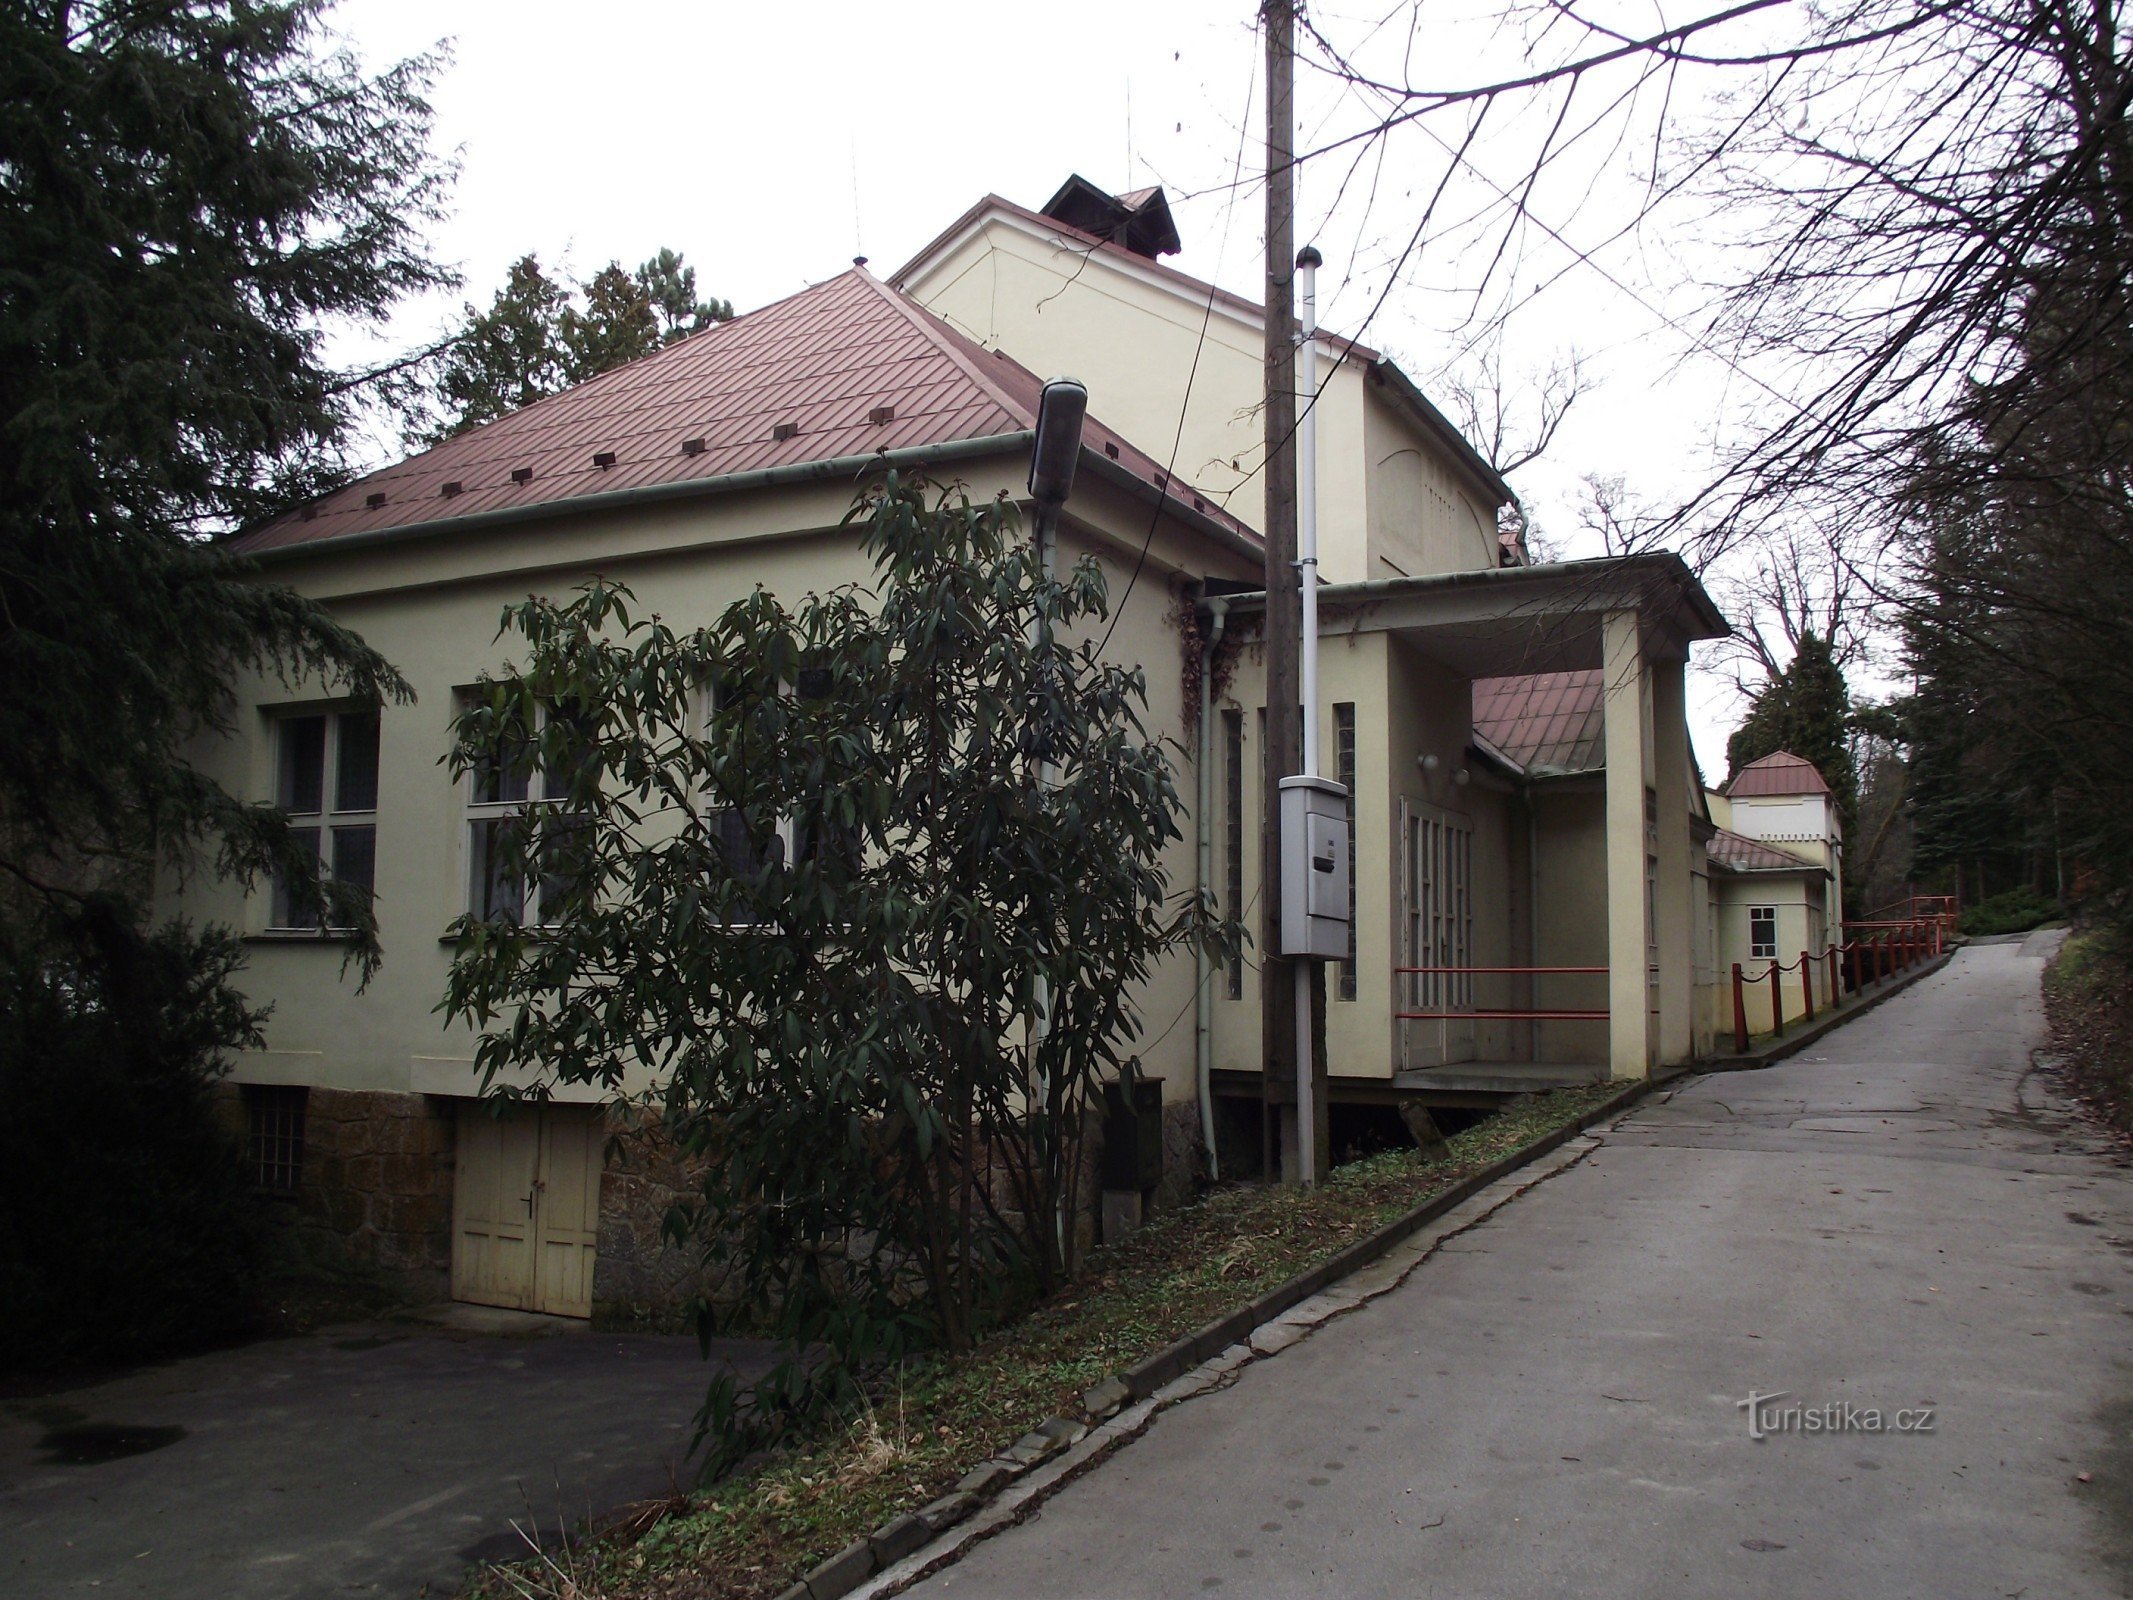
(1277, 990)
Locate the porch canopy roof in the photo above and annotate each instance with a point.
(1499, 622)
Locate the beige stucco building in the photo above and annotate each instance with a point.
(1777, 888)
(1514, 735)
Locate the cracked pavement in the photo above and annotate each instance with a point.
(1907, 1216)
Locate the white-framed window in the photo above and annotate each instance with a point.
(1440, 908)
(804, 834)
(502, 790)
(326, 779)
(1762, 933)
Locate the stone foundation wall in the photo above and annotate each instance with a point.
(374, 1192)
(1184, 1156)
(375, 1198)
(641, 1279)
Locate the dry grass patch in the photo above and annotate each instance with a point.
(2088, 996)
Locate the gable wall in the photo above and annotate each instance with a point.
(1390, 501)
(1424, 515)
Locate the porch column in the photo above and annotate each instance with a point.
(1676, 906)
(1628, 1026)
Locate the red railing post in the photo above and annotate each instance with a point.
(1740, 1014)
(1807, 987)
(1777, 999)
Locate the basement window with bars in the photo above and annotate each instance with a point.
(326, 779)
(274, 1151)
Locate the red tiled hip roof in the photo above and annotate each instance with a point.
(847, 369)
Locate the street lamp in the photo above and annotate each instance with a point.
(1062, 406)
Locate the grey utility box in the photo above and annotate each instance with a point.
(1314, 868)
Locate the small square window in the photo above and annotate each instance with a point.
(1762, 933)
(275, 1148)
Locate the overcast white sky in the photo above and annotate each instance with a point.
(770, 144)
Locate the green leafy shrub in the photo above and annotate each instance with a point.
(131, 1232)
(2016, 911)
(872, 885)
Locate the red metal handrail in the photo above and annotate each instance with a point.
(1502, 969)
(1888, 949)
(1501, 1016)
(1944, 909)
(1505, 1014)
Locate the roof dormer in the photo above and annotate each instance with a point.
(1138, 221)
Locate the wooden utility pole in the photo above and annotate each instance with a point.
(1282, 752)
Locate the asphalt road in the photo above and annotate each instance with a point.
(1905, 1218)
(363, 1460)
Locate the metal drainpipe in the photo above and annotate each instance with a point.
(1203, 1043)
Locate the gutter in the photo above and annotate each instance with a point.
(803, 472)
(1656, 563)
(652, 494)
(1230, 538)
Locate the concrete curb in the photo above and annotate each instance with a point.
(1220, 1369)
(1826, 1021)
(1000, 1492)
(1004, 1489)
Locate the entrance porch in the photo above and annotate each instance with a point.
(1523, 813)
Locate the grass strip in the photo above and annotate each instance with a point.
(751, 1535)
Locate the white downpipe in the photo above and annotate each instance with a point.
(1307, 574)
(1203, 1042)
(1307, 506)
